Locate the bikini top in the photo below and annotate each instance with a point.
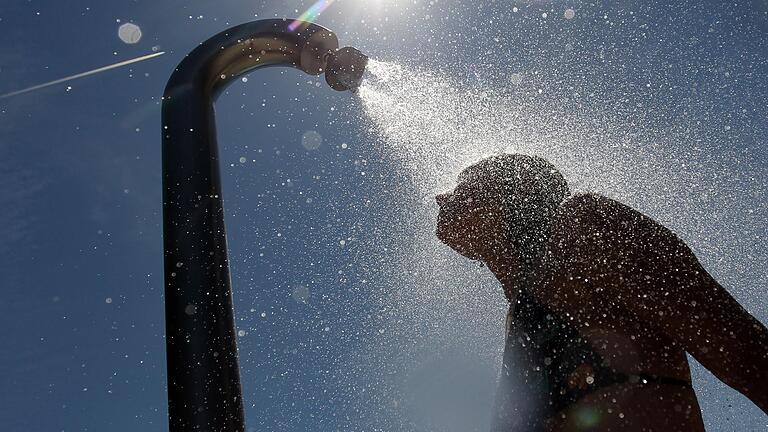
(548, 366)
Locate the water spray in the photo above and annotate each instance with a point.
(204, 389)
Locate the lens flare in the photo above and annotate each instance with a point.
(311, 14)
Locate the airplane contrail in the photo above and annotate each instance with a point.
(83, 74)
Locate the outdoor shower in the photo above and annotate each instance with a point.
(204, 390)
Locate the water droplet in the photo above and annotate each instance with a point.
(311, 140)
(129, 33)
(300, 294)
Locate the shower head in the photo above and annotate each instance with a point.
(344, 69)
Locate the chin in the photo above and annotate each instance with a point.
(445, 235)
(453, 241)
(467, 253)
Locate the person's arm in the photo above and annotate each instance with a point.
(656, 278)
(690, 307)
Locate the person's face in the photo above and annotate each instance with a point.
(470, 219)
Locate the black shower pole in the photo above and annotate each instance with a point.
(204, 390)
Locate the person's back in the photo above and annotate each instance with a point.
(604, 305)
(596, 366)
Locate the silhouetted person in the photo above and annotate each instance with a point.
(604, 304)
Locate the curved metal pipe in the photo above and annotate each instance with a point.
(204, 391)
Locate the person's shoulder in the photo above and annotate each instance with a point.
(587, 206)
(604, 223)
(585, 209)
(591, 214)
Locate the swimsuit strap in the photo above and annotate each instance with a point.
(641, 378)
(604, 380)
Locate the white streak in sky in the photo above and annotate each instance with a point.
(83, 74)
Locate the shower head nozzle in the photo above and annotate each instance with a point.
(344, 69)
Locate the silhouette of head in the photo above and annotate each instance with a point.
(502, 201)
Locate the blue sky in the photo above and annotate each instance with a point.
(346, 322)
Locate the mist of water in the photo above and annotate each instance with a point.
(433, 126)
